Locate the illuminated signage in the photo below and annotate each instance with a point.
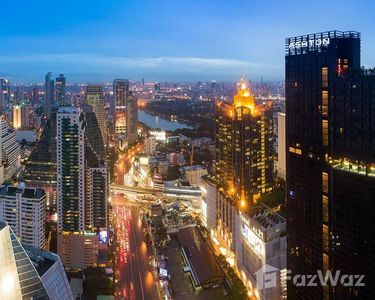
(163, 272)
(253, 240)
(310, 43)
(103, 237)
(120, 122)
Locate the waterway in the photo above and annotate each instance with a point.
(158, 122)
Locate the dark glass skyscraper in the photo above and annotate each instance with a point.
(330, 140)
(48, 93)
(60, 90)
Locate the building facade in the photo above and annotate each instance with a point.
(60, 90)
(72, 237)
(24, 210)
(41, 167)
(94, 97)
(10, 150)
(126, 113)
(330, 162)
(49, 93)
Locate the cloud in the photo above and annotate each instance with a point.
(95, 63)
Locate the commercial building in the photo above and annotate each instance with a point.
(4, 92)
(60, 91)
(17, 116)
(208, 204)
(24, 210)
(49, 92)
(261, 248)
(126, 113)
(330, 162)
(21, 116)
(94, 97)
(41, 168)
(29, 273)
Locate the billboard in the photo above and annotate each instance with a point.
(120, 122)
(103, 237)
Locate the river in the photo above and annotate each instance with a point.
(158, 122)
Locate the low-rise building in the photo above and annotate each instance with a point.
(260, 240)
(194, 174)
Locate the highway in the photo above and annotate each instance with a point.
(135, 276)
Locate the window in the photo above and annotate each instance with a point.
(325, 132)
(324, 103)
(325, 237)
(324, 77)
(325, 182)
(325, 208)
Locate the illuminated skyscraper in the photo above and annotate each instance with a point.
(244, 148)
(17, 116)
(330, 163)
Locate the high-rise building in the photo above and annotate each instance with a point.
(281, 149)
(10, 150)
(131, 119)
(17, 116)
(35, 96)
(97, 192)
(244, 173)
(41, 169)
(126, 112)
(244, 141)
(60, 90)
(150, 145)
(29, 273)
(4, 92)
(23, 209)
(94, 97)
(330, 163)
(49, 89)
(76, 246)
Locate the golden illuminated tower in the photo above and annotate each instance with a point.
(17, 123)
(244, 146)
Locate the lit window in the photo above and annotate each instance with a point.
(325, 182)
(324, 77)
(325, 132)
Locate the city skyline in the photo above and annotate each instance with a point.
(166, 40)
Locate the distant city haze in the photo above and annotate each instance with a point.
(96, 41)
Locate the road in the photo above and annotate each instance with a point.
(136, 280)
(124, 162)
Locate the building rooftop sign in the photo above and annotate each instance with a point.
(316, 42)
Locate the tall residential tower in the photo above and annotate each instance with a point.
(330, 162)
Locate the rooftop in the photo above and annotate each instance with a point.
(31, 193)
(42, 260)
(202, 262)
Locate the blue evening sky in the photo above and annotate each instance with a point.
(174, 40)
